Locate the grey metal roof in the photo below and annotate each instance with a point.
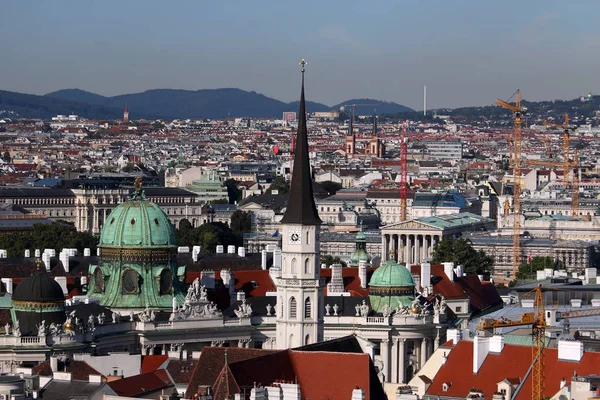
(65, 390)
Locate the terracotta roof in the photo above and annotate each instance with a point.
(225, 386)
(142, 384)
(324, 375)
(211, 361)
(152, 363)
(512, 364)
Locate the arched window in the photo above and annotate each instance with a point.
(307, 308)
(294, 266)
(307, 340)
(307, 237)
(306, 266)
(293, 308)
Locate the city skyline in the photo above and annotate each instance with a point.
(466, 53)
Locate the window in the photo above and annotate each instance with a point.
(307, 308)
(293, 308)
(294, 266)
(306, 266)
(458, 309)
(307, 237)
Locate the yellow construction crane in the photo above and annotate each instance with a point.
(566, 137)
(518, 111)
(537, 321)
(575, 186)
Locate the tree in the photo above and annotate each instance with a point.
(280, 184)
(233, 193)
(241, 222)
(329, 260)
(528, 270)
(130, 167)
(185, 233)
(56, 235)
(461, 252)
(331, 187)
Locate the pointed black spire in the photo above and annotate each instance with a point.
(301, 207)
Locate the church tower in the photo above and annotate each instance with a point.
(126, 113)
(299, 288)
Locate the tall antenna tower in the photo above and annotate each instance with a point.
(424, 100)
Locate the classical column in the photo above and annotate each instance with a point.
(401, 245)
(394, 247)
(385, 245)
(394, 375)
(417, 250)
(385, 354)
(423, 355)
(401, 357)
(95, 223)
(406, 249)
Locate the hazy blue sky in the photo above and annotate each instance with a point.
(466, 52)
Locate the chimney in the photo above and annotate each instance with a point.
(362, 273)
(8, 283)
(258, 393)
(496, 344)
(62, 281)
(183, 250)
(336, 285)
(54, 363)
(62, 376)
(425, 275)
(219, 249)
(449, 270)
(241, 252)
(231, 249)
(27, 253)
(87, 252)
(263, 259)
(455, 335)
(460, 271)
(226, 277)
(46, 261)
(570, 350)
(481, 348)
(444, 358)
(358, 394)
(563, 383)
(64, 259)
(98, 251)
(37, 253)
(274, 393)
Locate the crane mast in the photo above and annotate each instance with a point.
(517, 141)
(403, 172)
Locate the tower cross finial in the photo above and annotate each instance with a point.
(303, 63)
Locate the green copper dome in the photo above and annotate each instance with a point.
(360, 253)
(137, 267)
(391, 284)
(137, 223)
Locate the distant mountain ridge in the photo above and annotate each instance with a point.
(208, 103)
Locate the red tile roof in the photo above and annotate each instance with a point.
(142, 383)
(512, 363)
(324, 375)
(152, 363)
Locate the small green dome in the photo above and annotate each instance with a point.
(138, 223)
(392, 274)
(360, 253)
(391, 285)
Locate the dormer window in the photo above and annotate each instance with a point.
(446, 386)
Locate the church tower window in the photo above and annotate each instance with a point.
(307, 308)
(293, 308)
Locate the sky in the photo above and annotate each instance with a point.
(467, 52)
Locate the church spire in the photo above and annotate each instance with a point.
(301, 207)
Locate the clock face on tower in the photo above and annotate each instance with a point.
(294, 237)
